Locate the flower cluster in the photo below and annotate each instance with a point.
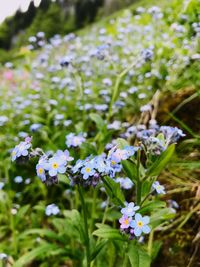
(154, 145)
(116, 155)
(90, 170)
(156, 139)
(133, 223)
(147, 54)
(171, 134)
(21, 151)
(73, 140)
(48, 168)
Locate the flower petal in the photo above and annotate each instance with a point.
(137, 231)
(138, 217)
(146, 229)
(145, 219)
(133, 224)
(53, 172)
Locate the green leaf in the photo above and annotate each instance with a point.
(74, 218)
(21, 213)
(138, 257)
(108, 232)
(88, 149)
(121, 143)
(155, 249)
(63, 178)
(97, 249)
(146, 188)
(130, 169)
(38, 252)
(153, 205)
(160, 216)
(42, 233)
(114, 191)
(98, 120)
(161, 137)
(161, 162)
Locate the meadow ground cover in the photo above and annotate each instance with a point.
(85, 179)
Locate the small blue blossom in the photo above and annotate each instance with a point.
(172, 134)
(130, 209)
(52, 209)
(18, 179)
(3, 120)
(73, 140)
(117, 155)
(78, 165)
(100, 165)
(40, 168)
(3, 256)
(112, 167)
(130, 150)
(140, 225)
(125, 183)
(88, 170)
(1, 185)
(35, 127)
(22, 149)
(173, 204)
(27, 181)
(154, 145)
(159, 188)
(125, 222)
(147, 54)
(55, 165)
(64, 155)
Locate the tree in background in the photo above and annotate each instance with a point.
(86, 11)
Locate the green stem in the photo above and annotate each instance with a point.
(139, 183)
(138, 192)
(150, 193)
(87, 240)
(14, 235)
(116, 88)
(105, 212)
(150, 242)
(93, 208)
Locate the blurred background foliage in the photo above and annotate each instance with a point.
(52, 17)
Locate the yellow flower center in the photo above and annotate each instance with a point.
(76, 140)
(113, 162)
(40, 171)
(13, 153)
(126, 221)
(55, 165)
(87, 169)
(140, 224)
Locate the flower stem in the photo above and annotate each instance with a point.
(116, 89)
(150, 242)
(139, 183)
(93, 208)
(87, 240)
(138, 192)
